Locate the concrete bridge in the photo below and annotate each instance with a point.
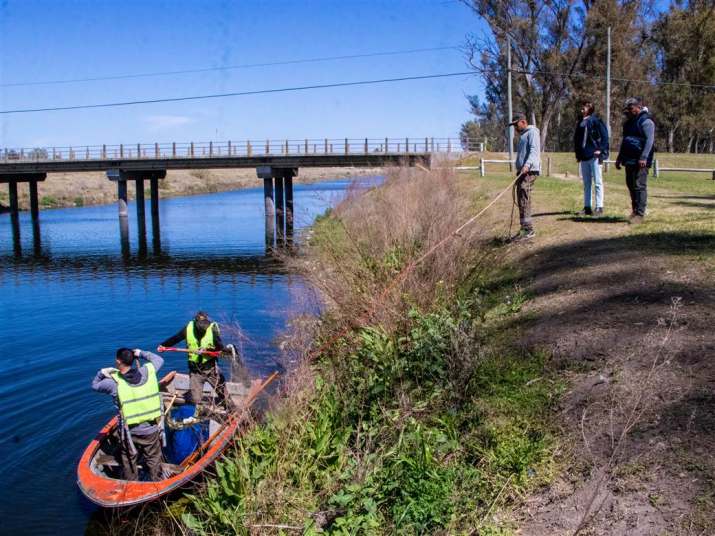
(277, 162)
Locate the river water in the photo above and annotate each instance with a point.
(68, 302)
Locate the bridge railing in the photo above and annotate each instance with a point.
(243, 148)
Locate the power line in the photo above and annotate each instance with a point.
(633, 80)
(228, 67)
(237, 93)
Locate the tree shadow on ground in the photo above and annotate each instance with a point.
(693, 204)
(542, 214)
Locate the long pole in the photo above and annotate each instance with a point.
(608, 84)
(509, 111)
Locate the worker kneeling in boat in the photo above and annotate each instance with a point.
(202, 334)
(136, 394)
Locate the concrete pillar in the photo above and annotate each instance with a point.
(34, 202)
(14, 206)
(141, 218)
(15, 223)
(270, 212)
(124, 234)
(155, 229)
(122, 198)
(289, 206)
(280, 210)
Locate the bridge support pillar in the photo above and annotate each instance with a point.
(278, 195)
(155, 229)
(121, 176)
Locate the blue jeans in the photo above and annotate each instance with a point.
(591, 173)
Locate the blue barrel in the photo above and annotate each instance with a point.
(182, 443)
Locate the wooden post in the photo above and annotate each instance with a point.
(347, 146)
(548, 166)
(656, 169)
(481, 167)
(714, 174)
(34, 204)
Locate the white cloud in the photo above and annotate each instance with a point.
(162, 122)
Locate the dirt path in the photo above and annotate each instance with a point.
(628, 312)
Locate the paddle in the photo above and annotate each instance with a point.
(209, 353)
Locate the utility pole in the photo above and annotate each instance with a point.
(608, 85)
(510, 112)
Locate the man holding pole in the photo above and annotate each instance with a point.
(528, 166)
(203, 340)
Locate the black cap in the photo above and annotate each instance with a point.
(201, 315)
(516, 118)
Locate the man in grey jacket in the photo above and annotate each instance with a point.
(140, 435)
(528, 166)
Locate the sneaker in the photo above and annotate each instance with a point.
(598, 212)
(524, 234)
(585, 212)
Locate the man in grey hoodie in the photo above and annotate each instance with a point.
(135, 391)
(528, 167)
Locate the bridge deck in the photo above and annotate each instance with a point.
(11, 167)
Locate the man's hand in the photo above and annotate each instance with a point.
(618, 164)
(596, 153)
(641, 163)
(524, 170)
(137, 352)
(107, 371)
(160, 348)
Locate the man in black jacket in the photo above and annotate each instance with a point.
(636, 154)
(591, 148)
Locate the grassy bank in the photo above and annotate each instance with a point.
(413, 412)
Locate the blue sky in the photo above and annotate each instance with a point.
(55, 40)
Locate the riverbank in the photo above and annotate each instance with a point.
(558, 386)
(93, 188)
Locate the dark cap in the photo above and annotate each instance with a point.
(516, 118)
(632, 101)
(201, 315)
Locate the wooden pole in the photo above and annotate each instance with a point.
(481, 167)
(548, 166)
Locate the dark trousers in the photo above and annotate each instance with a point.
(148, 450)
(210, 373)
(637, 182)
(523, 198)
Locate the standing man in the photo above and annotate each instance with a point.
(202, 334)
(528, 166)
(591, 147)
(136, 394)
(636, 154)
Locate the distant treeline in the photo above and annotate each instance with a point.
(559, 49)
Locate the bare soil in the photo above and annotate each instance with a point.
(628, 312)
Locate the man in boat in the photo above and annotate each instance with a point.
(202, 334)
(136, 394)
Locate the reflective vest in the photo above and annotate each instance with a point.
(139, 403)
(206, 342)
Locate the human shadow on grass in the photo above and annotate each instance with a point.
(541, 214)
(678, 196)
(596, 219)
(693, 204)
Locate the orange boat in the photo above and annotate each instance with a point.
(98, 472)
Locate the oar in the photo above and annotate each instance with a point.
(209, 353)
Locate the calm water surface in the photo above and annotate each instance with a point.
(68, 302)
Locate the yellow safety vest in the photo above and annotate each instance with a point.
(206, 342)
(139, 403)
